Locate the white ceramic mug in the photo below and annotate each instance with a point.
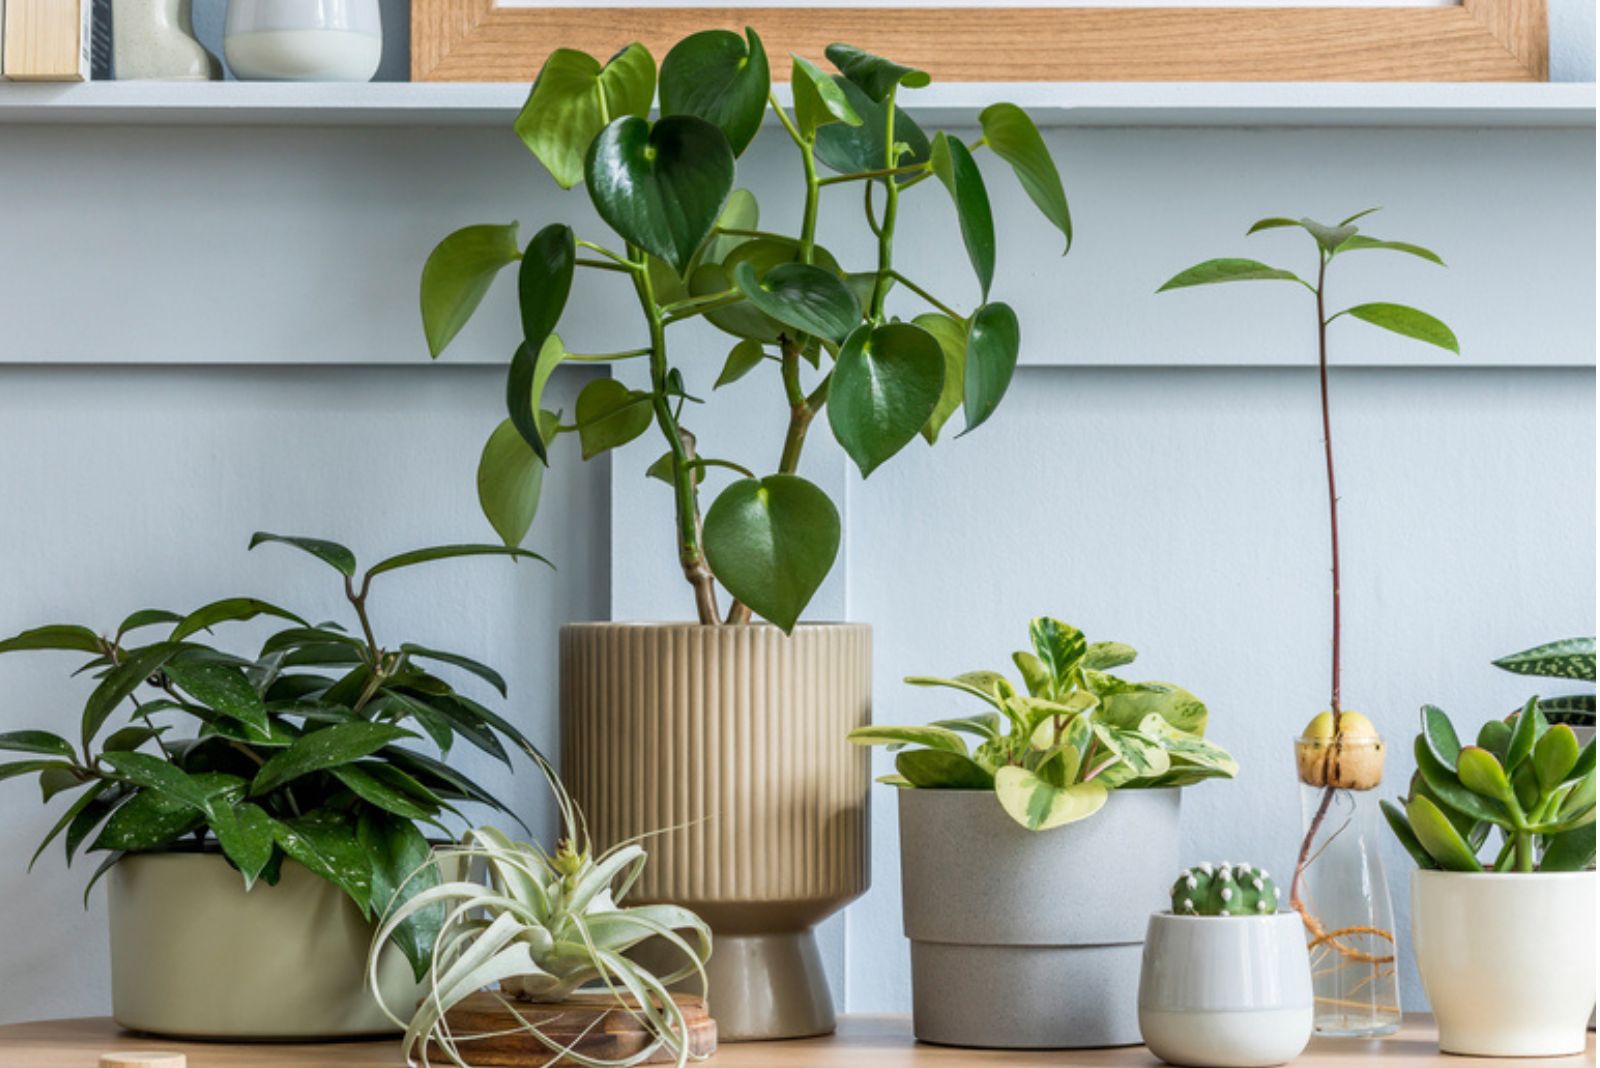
(303, 40)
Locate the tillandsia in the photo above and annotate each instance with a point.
(1569, 658)
(1525, 778)
(304, 750)
(877, 354)
(1053, 751)
(544, 927)
(1224, 890)
(1332, 243)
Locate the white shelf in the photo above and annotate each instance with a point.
(1052, 104)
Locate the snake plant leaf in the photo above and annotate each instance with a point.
(744, 357)
(951, 334)
(661, 186)
(1572, 850)
(854, 149)
(1569, 658)
(543, 285)
(330, 849)
(572, 100)
(720, 77)
(1481, 773)
(1439, 837)
(1444, 786)
(510, 477)
(228, 610)
(1012, 135)
(1357, 242)
(818, 100)
(993, 342)
(331, 553)
(1407, 322)
(1059, 646)
(244, 831)
(771, 542)
(609, 415)
(940, 769)
(803, 296)
(1227, 270)
(1039, 806)
(342, 743)
(57, 636)
(450, 552)
(37, 742)
(1440, 735)
(886, 384)
(1396, 818)
(137, 665)
(874, 75)
(222, 688)
(934, 737)
(1525, 731)
(400, 871)
(956, 170)
(457, 275)
(1555, 754)
(985, 725)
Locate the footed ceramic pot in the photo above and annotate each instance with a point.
(1507, 959)
(1225, 991)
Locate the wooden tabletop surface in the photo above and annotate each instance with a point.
(869, 1041)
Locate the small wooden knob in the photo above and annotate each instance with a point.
(143, 1060)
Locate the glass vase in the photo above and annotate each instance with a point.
(1340, 890)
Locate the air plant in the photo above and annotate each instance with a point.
(543, 927)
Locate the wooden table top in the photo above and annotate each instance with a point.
(871, 1041)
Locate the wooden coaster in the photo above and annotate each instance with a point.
(615, 1036)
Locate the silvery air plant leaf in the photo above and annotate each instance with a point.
(542, 927)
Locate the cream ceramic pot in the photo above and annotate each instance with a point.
(193, 955)
(1225, 991)
(732, 739)
(1507, 959)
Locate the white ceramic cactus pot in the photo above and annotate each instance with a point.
(1507, 959)
(1225, 991)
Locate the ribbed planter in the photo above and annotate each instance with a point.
(733, 736)
(1031, 939)
(195, 955)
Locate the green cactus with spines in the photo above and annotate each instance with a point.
(1224, 890)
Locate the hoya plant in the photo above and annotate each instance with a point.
(1569, 658)
(1524, 778)
(1054, 749)
(312, 748)
(864, 347)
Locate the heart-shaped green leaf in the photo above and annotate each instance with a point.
(457, 275)
(1227, 270)
(959, 174)
(1039, 806)
(853, 149)
(771, 542)
(876, 76)
(741, 212)
(803, 296)
(1407, 322)
(720, 77)
(573, 99)
(885, 386)
(610, 414)
(934, 769)
(743, 319)
(951, 334)
(1012, 135)
(661, 187)
(543, 283)
(510, 475)
(742, 359)
(993, 341)
(818, 101)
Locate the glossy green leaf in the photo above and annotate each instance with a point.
(150, 820)
(1358, 242)
(155, 773)
(1039, 806)
(510, 477)
(343, 743)
(245, 833)
(401, 869)
(1439, 837)
(450, 552)
(985, 685)
(147, 617)
(1444, 785)
(1396, 818)
(993, 342)
(1569, 658)
(852, 149)
(53, 781)
(457, 275)
(543, 285)
(1127, 706)
(130, 738)
(1555, 754)
(329, 848)
(874, 75)
(228, 610)
(1572, 850)
(331, 553)
(661, 187)
(1494, 736)
(818, 100)
(36, 742)
(985, 725)
(467, 725)
(59, 636)
(1525, 732)
(136, 666)
(743, 358)
(78, 807)
(956, 170)
(221, 688)
(951, 335)
(936, 769)
(1407, 322)
(483, 671)
(886, 384)
(27, 767)
(1440, 735)
(720, 77)
(806, 297)
(1060, 647)
(771, 542)
(1481, 773)
(1227, 270)
(933, 737)
(1012, 135)
(93, 815)
(609, 414)
(384, 786)
(574, 98)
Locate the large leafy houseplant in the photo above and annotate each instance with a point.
(691, 247)
(1053, 751)
(304, 750)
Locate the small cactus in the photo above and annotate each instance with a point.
(1224, 890)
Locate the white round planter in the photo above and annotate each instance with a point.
(1225, 991)
(1507, 959)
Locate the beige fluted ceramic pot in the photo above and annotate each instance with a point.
(734, 736)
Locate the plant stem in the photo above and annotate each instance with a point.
(1524, 842)
(882, 172)
(603, 357)
(925, 295)
(891, 204)
(1333, 493)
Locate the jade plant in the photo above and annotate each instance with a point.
(543, 926)
(303, 750)
(1569, 658)
(1053, 750)
(1224, 890)
(1525, 778)
(865, 347)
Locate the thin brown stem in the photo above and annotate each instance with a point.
(1333, 492)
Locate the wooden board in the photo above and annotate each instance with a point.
(594, 1025)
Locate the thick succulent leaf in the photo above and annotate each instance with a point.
(956, 170)
(1039, 806)
(720, 77)
(457, 275)
(1439, 838)
(1012, 135)
(993, 342)
(543, 284)
(1143, 757)
(1407, 322)
(938, 769)
(1569, 658)
(806, 297)
(1396, 818)
(510, 477)
(876, 76)
(57, 636)
(886, 384)
(1494, 736)
(573, 99)
(1227, 270)
(951, 334)
(818, 100)
(1572, 850)
(449, 552)
(771, 542)
(331, 553)
(853, 149)
(942, 738)
(342, 743)
(609, 415)
(1481, 773)
(1525, 731)
(1357, 242)
(1440, 734)
(1555, 754)
(1447, 788)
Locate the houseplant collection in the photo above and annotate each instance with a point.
(865, 348)
(1225, 981)
(1506, 948)
(1068, 769)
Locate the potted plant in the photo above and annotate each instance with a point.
(1569, 658)
(1226, 981)
(766, 802)
(1506, 949)
(995, 839)
(259, 813)
(549, 935)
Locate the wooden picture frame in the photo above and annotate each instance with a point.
(1471, 40)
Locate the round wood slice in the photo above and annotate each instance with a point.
(615, 1036)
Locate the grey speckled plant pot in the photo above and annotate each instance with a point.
(1024, 939)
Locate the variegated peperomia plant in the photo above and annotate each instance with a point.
(1054, 751)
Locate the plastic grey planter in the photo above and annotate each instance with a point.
(1031, 939)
